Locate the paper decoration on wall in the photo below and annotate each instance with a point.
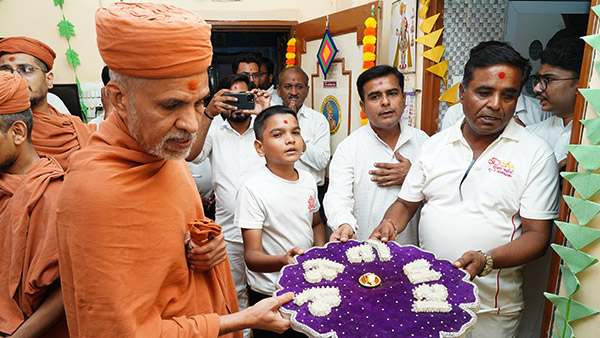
(434, 54)
(430, 40)
(451, 95)
(593, 130)
(579, 236)
(587, 185)
(326, 52)
(441, 70)
(428, 23)
(593, 40)
(587, 156)
(583, 210)
(424, 8)
(592, 96)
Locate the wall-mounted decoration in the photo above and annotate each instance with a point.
(326, 52)
(334, 101)
(403, 35)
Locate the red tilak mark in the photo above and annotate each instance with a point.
(501, 75)
(380, 82)
(293, 80)
(234, 87)
(192, 85)
(11, 59)
(285, 122)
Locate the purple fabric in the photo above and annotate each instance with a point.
(384, 311)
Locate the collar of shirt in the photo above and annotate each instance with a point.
(511, 131)
(406, 134)
(227, 125)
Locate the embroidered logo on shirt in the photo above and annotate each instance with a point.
(311, 202)
(504, 168)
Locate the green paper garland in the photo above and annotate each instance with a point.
(67, 29)
(587, 185)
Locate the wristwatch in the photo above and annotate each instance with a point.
(489, 263)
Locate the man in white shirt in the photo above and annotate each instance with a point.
(293, 89)
(362, 184)
(556, 88)
(266, 80)
(229, 145)
(527, 112)
(488, 189)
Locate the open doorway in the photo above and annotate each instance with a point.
(230, 38)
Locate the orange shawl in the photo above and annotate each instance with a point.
(122, 219)
(29, 257)
(59, 135)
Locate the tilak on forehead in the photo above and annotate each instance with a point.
(11, 59)
(501, 75)
(285, 121)
(192, 84)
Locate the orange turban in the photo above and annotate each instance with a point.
(33, 47)
(14, 94)
(153, 41)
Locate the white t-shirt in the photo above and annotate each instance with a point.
(351, 196)
(516, 176)
(555, 133)
(283, 210)
(315, 132)
(528, 109)
(233, 159)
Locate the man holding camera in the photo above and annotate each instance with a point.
(229, 144)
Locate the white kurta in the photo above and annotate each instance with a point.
(315, 132)
(351, 196)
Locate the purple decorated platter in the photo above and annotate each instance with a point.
(335, 304)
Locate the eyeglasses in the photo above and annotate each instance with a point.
(543, 80)
(253, 77)
(23, 70)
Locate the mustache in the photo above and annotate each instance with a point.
(179, 136)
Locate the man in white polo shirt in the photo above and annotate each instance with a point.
(489, 189)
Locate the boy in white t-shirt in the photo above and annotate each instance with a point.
(277, 208)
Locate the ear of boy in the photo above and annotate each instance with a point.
(259, 148)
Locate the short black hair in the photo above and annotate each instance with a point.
(228, 81)
(245, 58)
(105, 75)
(7, 120)
(489, 53)
(566, 33)
(377, 72)
(261, 119)
(565, 53)
(296, 68)
(268, 63)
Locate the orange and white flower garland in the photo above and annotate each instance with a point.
(369, 56)
(291, 53)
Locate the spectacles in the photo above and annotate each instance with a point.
(543, 80)
(253, 77)
(23, 70)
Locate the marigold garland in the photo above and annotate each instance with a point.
(291, 53)
(369, 56)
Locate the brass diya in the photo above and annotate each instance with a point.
(369, 280)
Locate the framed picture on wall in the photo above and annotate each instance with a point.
(403, 32)
(331, 97)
